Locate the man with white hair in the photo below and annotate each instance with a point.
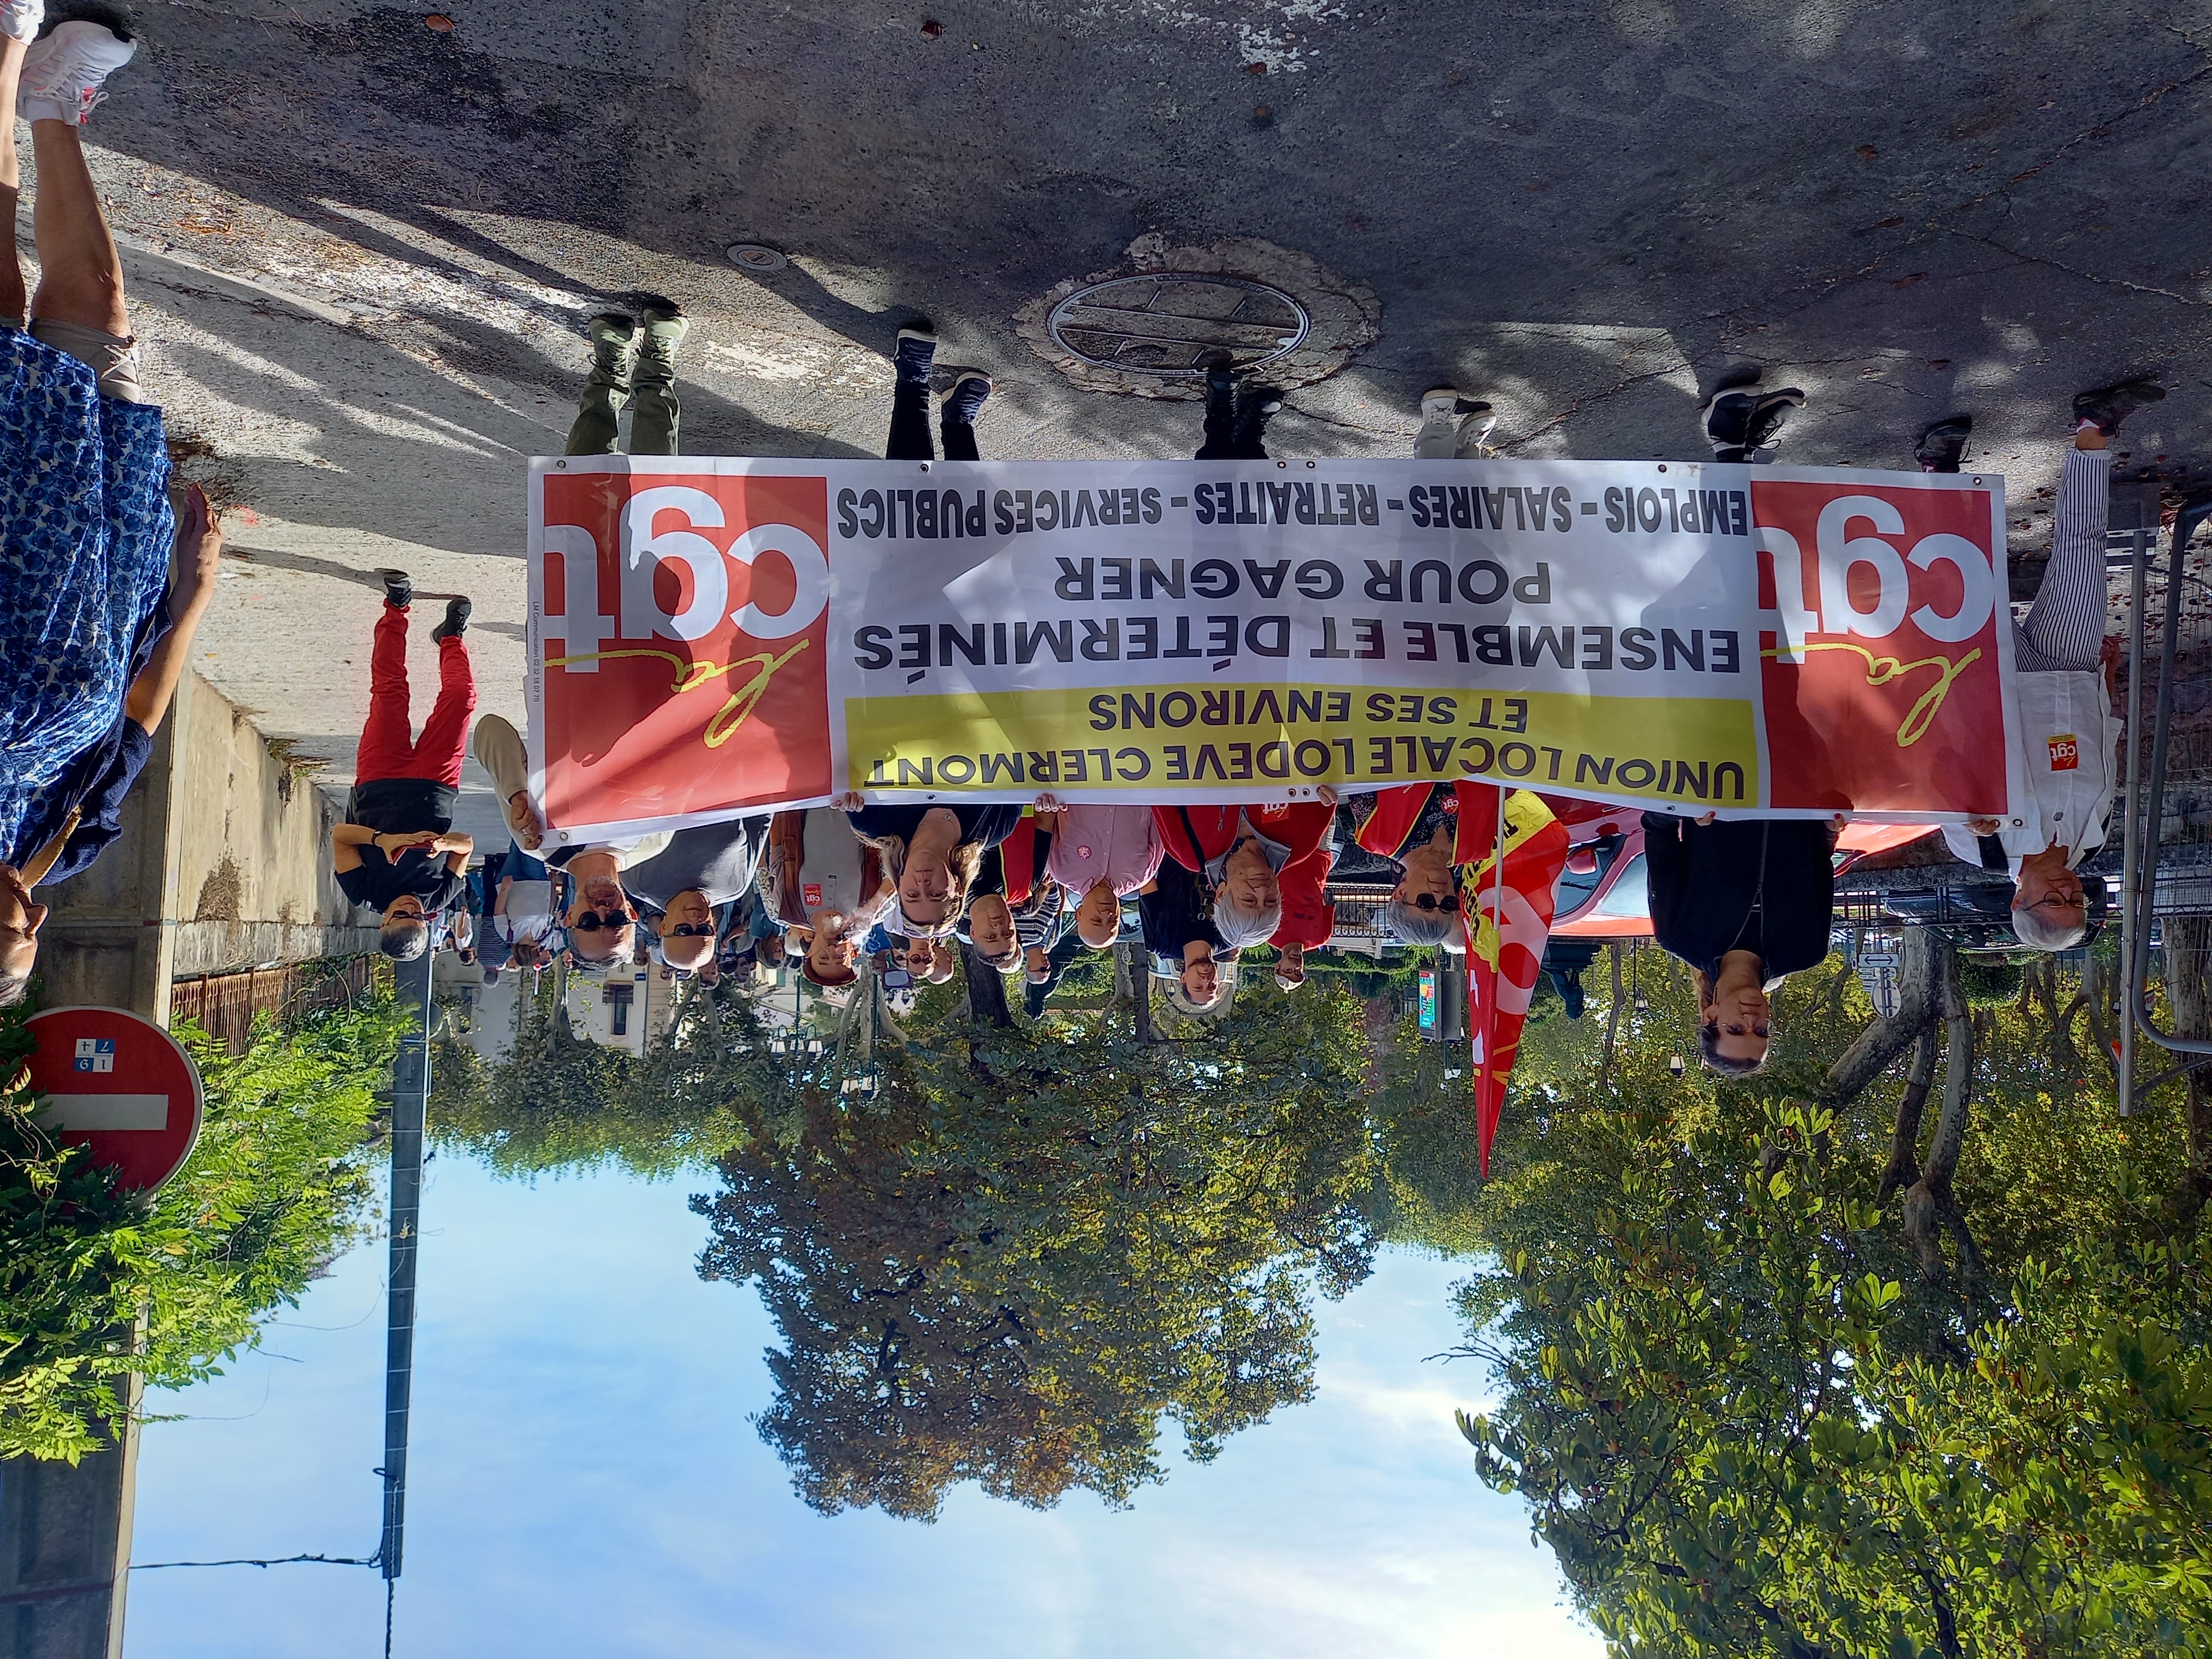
(2069, 734)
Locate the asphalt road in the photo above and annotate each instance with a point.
(362, 246)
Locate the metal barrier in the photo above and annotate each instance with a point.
(2145, 818)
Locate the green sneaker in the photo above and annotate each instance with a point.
(663, 328)
(658, 412)
(615, 343)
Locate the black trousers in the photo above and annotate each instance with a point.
(909, 438)
(1223, 441)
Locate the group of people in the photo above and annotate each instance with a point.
(100, 628)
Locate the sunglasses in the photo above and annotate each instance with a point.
(1430, 901)
(591, 921)
(693, 929)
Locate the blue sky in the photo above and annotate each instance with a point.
(586, 1481)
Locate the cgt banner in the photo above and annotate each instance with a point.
(712, 635)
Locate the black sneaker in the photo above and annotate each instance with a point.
(965, 401)
(1728, 415)
(456, 623)
(2108, 405)
(916, 353)
(398, 588)
(1220, 385)
(1766, 418)
(1943, 444)
(1255, 404)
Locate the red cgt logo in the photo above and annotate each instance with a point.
(1880, 675)
(715, 588)
(2065, 753)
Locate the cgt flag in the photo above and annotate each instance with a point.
(1513, 888)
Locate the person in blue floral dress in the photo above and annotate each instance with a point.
(95, 642)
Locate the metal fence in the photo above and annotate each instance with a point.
(225, 1004)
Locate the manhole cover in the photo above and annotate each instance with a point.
(1142, 330)
(1167, 324)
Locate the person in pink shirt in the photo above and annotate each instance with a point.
(1102, 854)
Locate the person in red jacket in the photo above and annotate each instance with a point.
(1241, 851)
(1417, 826)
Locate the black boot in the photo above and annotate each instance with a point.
(2108, 405)
(1255, 405)
(1220, 407)
(1943, 444)
(456, 623)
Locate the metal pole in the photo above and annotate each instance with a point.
(2130, 842)
(410, 1090)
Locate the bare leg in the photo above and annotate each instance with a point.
(79, 276)
(11, 178)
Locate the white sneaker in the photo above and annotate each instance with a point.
(1439, 424)
(64, 74)
(1477, 420)
(20, 19)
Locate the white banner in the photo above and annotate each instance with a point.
(711, 635)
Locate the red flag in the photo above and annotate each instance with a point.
(1508, 916)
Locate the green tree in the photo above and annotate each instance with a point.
(561, 1102)
(1035, 1246)
(1746, 1426)
(280, 1184)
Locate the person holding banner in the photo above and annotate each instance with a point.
(398, 852)
(931, 854)
(632, 357)
(1745, 903)
(1103, 853)
(819, 882)
(1309, 920)
(913, 364)
(989, 923)
(1241, 852)
(1417, 827)
(701, 866)
(1172, 915)
(2069, 736)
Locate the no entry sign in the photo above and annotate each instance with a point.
(121, 1085)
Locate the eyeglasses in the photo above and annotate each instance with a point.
(1430, 901)
(590, 922)
(693, 929)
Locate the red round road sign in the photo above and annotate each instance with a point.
(119, 1084)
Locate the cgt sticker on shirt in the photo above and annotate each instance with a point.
(2065, 753)
(810, 895)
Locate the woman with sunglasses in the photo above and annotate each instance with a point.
(679, 886)
(1416, 827)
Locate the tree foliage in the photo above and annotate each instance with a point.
(560, 1102)
(1033, 1249)
(1746, 1425)
(279, 1186)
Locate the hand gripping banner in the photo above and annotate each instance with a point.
(711, 636)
